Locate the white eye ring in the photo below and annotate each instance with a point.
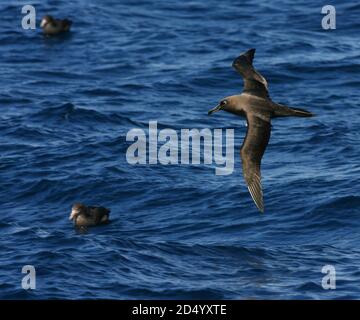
(224, 102)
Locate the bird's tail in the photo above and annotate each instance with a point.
(285, 111)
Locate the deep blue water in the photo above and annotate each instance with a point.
(177, 231)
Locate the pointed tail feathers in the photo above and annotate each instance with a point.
(297, 112)
(284, 111)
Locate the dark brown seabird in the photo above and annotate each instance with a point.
(255, 104)
(53, 26)
(84, 216)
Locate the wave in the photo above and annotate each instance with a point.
(68, 112)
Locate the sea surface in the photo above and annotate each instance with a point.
(177, 231)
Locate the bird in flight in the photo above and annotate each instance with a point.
(255, 104)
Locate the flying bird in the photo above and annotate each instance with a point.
(255, 104)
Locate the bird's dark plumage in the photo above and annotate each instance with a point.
(252, 151)
(255, 104)
(84, 216)
(254, 82)
(53, 26)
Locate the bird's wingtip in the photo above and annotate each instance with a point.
(257, 197)
(260, 205)
(250, 55)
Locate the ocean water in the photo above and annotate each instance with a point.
(177, 231)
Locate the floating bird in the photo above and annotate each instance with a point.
(255, 105)
(53, 26)
(84, 216)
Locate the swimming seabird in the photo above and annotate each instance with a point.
(255, 104)
(53, 26)
(84, 216)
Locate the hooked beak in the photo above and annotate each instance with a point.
(217, 108)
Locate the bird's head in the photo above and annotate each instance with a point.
(77, 209)
(46, 20)
(226, 104)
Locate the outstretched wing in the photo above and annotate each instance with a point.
(254, 83)
(252, 151)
